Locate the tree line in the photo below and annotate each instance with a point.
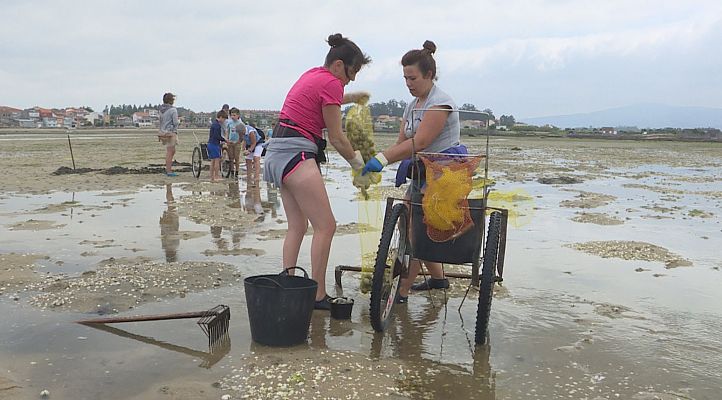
(395, 108)
(129, 109)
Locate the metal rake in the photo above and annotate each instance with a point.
(213, 322)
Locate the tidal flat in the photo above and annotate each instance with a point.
(611, 278)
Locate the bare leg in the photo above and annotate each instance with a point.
(434, 268)
(297, 227)
(169, 153)
(306, 186)
(215, 166)
(257, 171)
(249, 172)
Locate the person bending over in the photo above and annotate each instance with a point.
(293, 155)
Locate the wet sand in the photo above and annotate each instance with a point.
(584, 214)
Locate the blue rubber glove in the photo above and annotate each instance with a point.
(375, 164)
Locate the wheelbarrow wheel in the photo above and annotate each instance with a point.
(225, 164)
(392, 263)
(488, 277)
(196, 161)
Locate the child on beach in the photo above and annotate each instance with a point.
(215, 137)
(253, 155)
(233, 126)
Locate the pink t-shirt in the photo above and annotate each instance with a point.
(304, 103)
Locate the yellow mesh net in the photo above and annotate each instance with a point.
(370, 215)
(360, 132)
(518, 202)
(448, 184)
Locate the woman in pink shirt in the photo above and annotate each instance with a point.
(296, 149)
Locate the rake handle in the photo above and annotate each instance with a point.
(138, 318)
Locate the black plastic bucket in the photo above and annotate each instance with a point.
(280, 307)
(341, 307)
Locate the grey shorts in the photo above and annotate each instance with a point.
(280, 152)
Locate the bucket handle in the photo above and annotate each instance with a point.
(263, 278)
(285, 271)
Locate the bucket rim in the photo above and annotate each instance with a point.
(250, 280)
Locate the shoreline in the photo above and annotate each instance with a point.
(479, 134)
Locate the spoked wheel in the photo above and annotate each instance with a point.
(196, 162)
(391, 263)
(225, 164)
(488, 277)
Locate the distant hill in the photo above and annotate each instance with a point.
(639, 115)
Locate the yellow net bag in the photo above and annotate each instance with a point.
(448, 184)
(360, 132)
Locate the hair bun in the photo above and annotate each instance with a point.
(335, 40)
(430, 46)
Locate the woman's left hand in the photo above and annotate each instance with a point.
(375, 164)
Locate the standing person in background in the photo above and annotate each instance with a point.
(269, 135)
(215, 137)
(234, 125)
(293, 156)
(435, 130)
(168, 130)
(224, 127)
(250, 142)
(255, 152)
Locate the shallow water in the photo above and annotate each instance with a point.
(565, 324)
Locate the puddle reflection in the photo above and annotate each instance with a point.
(169, 225)
(216, 351)
(414, 339)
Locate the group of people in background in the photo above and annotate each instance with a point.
(293, 158)
(228, 131)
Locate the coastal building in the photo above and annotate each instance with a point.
(9, 116)
(124, 121)
(200, 119)
(94, 118)
(50, 122)
(9, 112)
(28, 123)
(608, 130)
(261, 118)
(143, 119)
(473, 124)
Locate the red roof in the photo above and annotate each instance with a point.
(6, 109)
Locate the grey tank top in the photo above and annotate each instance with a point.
(449, 135)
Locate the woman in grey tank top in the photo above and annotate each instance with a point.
(432, 130)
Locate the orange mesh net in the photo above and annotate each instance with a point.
(448, 184)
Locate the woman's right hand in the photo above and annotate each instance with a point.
(357, 162)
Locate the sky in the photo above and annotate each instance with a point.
(525, 58)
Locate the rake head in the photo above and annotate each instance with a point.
(214, 323)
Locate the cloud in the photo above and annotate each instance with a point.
(525, 57)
